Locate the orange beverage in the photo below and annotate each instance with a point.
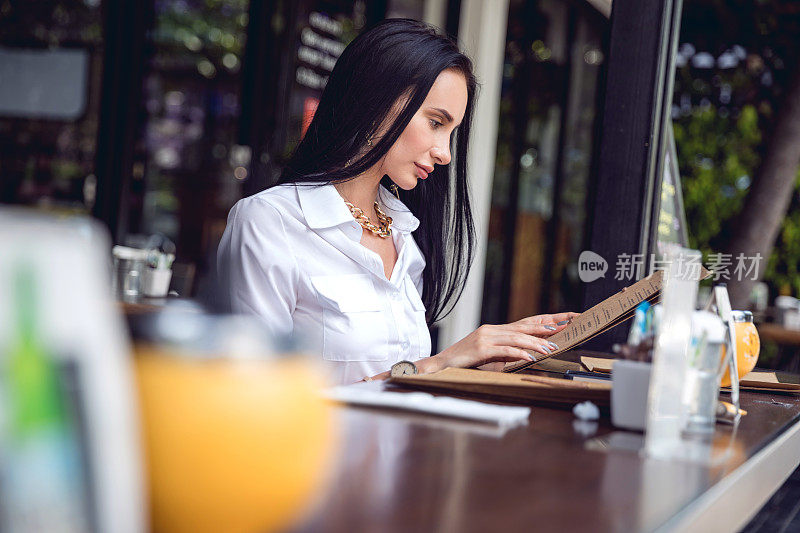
(748, 345)
(231, 445)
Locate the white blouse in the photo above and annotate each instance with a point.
(292, 255)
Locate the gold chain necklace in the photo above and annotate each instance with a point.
(385, 228)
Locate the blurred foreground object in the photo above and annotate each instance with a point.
(42, 470)
(70, 459)
(703, 372)
(666, 412)
(237, 439)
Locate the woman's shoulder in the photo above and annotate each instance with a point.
(279, 201)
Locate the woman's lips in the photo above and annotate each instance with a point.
(421, 172)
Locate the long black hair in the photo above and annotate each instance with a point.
(393, 60)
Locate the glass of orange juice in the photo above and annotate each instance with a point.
(748, 345)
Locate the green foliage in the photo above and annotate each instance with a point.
(190, 32)
(717, 158)
(783, 268)
(724, 111)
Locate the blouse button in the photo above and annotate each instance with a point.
(405, 345)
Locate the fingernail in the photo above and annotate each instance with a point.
(562, 322)
(546, 349)
(554, 345)
(551, 328)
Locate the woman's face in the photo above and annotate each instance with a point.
(426, 140)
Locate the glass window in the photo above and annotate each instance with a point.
(49, 115)
(189, 167)
(193, 160)
(545, 145)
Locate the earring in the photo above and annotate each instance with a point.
(395, 191)
(369, 141)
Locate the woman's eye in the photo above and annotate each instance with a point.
(435, 123)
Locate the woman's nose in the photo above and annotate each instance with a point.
(441, 155)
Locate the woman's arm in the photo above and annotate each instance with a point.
(501, 343)
(258, 266)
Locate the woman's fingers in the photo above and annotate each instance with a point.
(510, 354)
(488, 355)
(539, 330)
(563, 317)
(526, 342)
(557, 319)
(496, 343)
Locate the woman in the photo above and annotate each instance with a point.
(329, 251)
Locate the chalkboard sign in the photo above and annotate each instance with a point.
(322, 32)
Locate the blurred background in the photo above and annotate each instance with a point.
(155, 117)
(134, 126)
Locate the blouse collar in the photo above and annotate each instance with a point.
(323, 207)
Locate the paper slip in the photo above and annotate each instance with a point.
(373, 393)
(597, 364)
(756, 381)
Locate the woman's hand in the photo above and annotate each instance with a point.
(490, 347)
(495, 345)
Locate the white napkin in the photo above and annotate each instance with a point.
(373, 393)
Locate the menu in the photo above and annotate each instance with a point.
(603, 316)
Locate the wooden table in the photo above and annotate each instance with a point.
(401, 472)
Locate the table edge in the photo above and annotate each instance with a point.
(730, 504)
